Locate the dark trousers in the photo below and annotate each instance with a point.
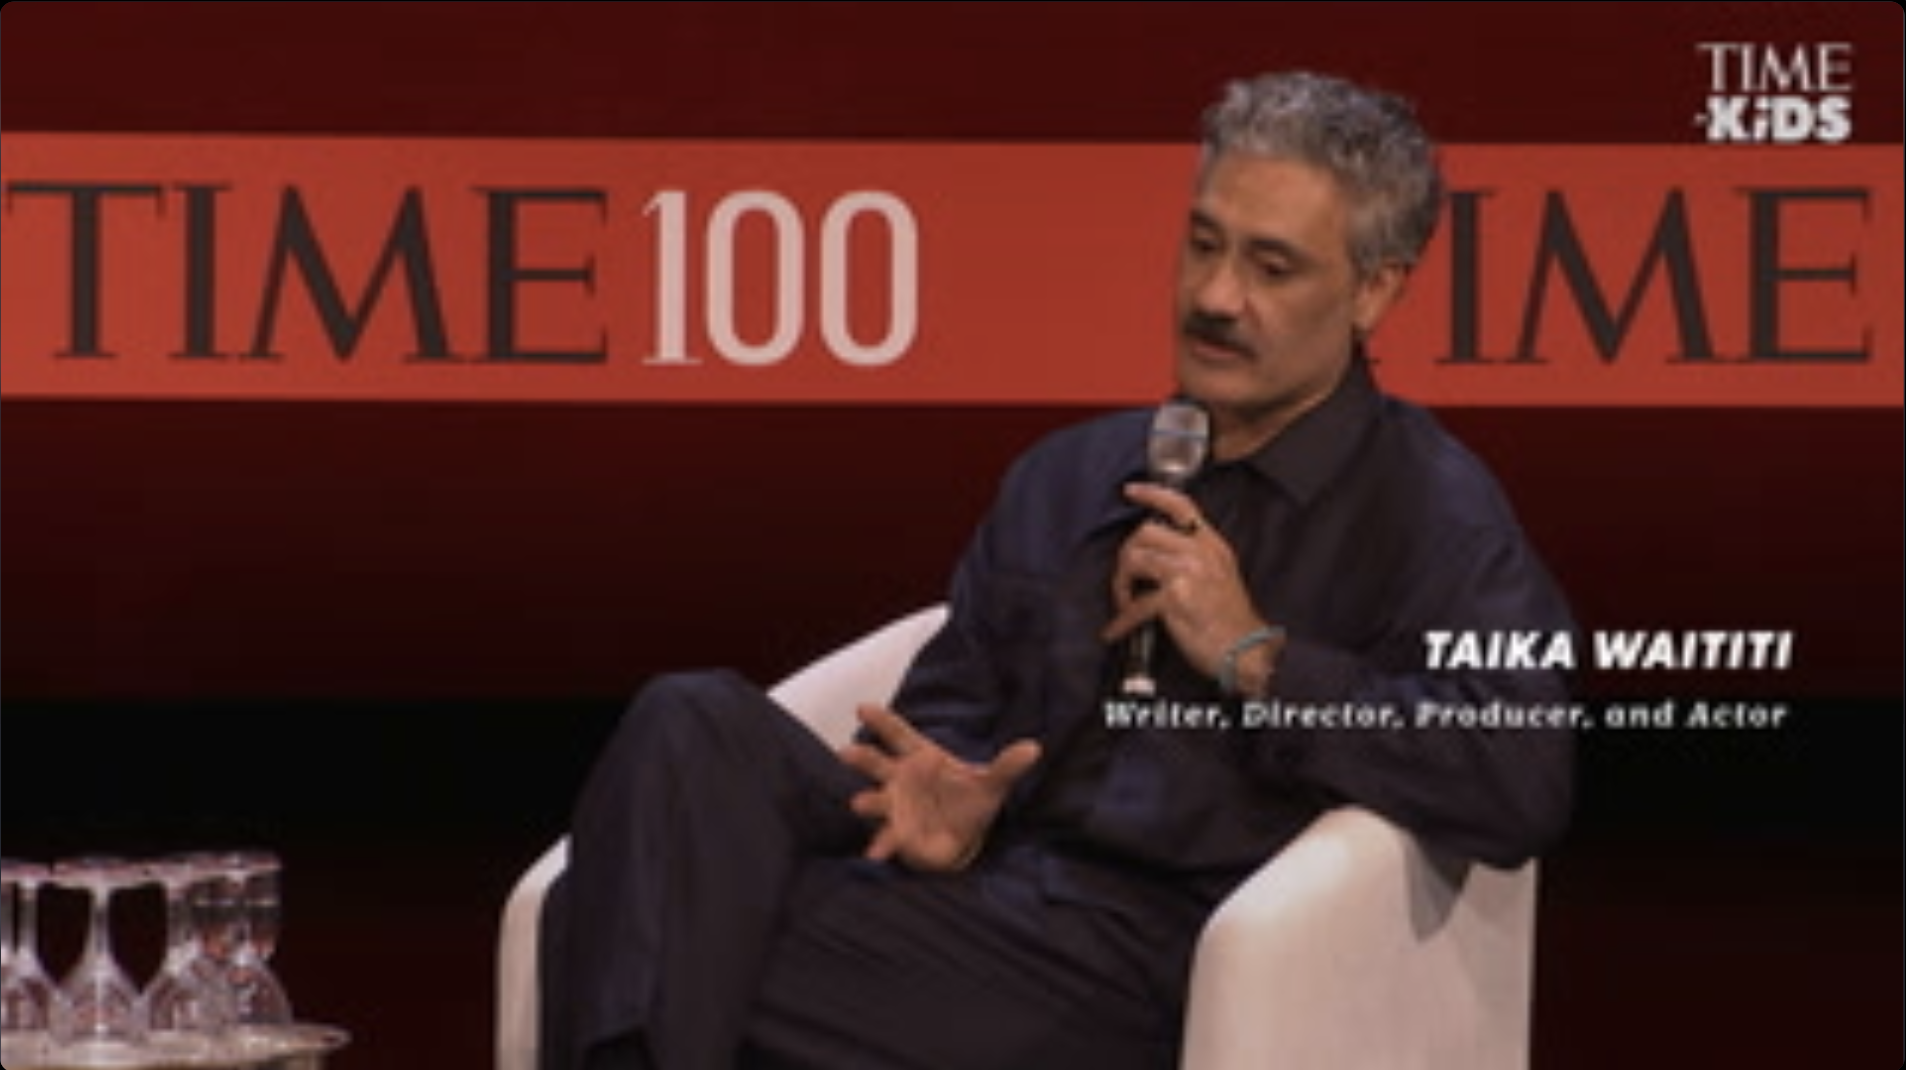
(716, 914)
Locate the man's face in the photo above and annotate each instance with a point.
(1268, 302)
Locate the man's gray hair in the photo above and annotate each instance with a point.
(1368, 140)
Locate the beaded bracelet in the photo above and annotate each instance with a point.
(1228, 667)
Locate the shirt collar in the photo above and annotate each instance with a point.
(1305, 457)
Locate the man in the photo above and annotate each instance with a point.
(992, 878)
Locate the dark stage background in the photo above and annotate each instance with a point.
(387, 639)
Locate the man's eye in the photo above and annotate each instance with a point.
(1274, 269)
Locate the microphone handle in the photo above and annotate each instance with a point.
(1137, 680)
(1141, 647)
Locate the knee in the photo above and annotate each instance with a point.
(681, 710)
(699, 688)
(672, 723)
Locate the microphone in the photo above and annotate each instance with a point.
(1179, 442)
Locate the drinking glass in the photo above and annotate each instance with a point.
(189, 1002)
(263, 909)
(236, 907)
(26, 991)
(97, 1013)
(6, 917)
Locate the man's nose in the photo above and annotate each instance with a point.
(1217, 291)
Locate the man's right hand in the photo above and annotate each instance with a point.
(931, 810)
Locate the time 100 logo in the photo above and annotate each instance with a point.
(684, 237)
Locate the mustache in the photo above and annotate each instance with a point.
(1217, 331)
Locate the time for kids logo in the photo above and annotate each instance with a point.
(1766, 94)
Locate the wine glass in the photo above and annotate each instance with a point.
(26, 992)
(238, 906)
(189, 1001)
(263, 909)
(97, 1015)
(6, 917)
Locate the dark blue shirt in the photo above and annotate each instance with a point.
(1359, 529)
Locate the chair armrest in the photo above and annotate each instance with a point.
(1355, 948)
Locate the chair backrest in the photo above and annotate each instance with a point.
(824, 695)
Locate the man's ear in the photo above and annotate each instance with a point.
(1376, 292)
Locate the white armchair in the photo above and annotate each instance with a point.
(1352, 949)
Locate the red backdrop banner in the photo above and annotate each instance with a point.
(322, 268)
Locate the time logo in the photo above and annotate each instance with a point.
(1777, 94)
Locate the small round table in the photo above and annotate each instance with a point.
(296, 1047)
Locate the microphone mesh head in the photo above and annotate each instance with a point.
(1180, 439)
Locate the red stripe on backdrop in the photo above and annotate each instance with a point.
(762, 272)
